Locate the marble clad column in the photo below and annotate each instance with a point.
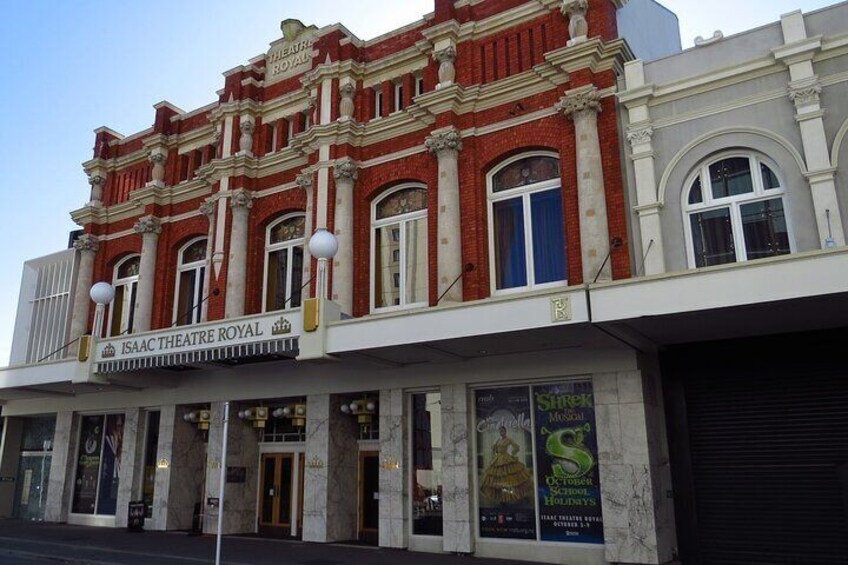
(304, 181)
(582, 105)
(208, 209)
(346, 173)
(241, 202)
(394, 525)
(149, 227)
(242, 451)
(457, 513)
(634, 470)
(10, 456)
(179, 483)
(87, 245)
(330, 489)
(132, 464)
(446, 145)
(60, 487)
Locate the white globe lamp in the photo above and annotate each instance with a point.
(323, 246)
(102, 293)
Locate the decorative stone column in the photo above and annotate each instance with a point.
(60, 486)
(393, 527)
(87, 245)
(97, 183)
(446, 145)
(304, 181)
(149, 228)
(456, 471)
(10, 456)
(582, 105)
(447, 72)
(132, 461)
(346, 173)
(346, 105)
(208, 209)
(241, 202)
(247, 127)
(157, 174)
(578, 27)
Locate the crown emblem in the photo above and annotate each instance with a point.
(281, 327)
(108, 351)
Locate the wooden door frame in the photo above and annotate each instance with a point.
(275, 509)
(360, 529)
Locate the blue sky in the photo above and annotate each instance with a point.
(70, 67)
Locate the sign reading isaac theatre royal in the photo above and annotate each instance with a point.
(291, 55)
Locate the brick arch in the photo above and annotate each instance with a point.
(173, 238)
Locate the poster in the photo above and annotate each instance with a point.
(88, 464)
(110, 468)
(567, 456)
(505, 463)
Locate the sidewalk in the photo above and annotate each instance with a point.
(36, 542)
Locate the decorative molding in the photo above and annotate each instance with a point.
(148, 224)
(447, 71)
(578, 101)
(346, 169)
(346, 105)
(304, 180)
(87, 243)
(805, 94)
(640, 136)
(207, 207)
(439, 143)
(578, 27)
(241, 199)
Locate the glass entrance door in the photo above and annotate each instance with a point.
(31, 495)
(369, 496)
(277, 503)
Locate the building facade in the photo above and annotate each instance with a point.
(538, 236)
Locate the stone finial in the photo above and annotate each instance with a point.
(446, 141)
(580, 101)
(148, 224)
(241, 199)
(207, 207)
(346, 106)
(246, 126)
(447, 71)
(578, 27)
(97, 183)
(304, 180)
(346, 169)
(640, 136)
(87, 243)
(157, 175)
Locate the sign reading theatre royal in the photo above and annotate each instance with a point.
(266, 328)
(291, 55)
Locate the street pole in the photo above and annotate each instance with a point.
(221, 484)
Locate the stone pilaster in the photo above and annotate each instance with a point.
(60, 487)
(457, 509)
(132, 461)
(346, 173)
(304, 181)
(578, 27)
(97, 183)
(10, 456)
(330, 489)
(241, 202)
(87, 245)
(446, 145)
(149, 228)
(394, 474)
(208, 208)
(157, 173)
(582, 105)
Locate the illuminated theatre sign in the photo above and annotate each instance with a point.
(291, 55)
(268, 334)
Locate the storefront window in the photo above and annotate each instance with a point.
(558, 498)
(98, 465)
(427, 464)
(34, 468)
(151, 449)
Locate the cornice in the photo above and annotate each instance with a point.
(798, 51)
(399, 63)
(595, 54)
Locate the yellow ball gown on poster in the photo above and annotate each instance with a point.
(506, 479)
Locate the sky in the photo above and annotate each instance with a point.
(70, 67)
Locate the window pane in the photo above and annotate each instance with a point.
(548, 236)
(402, 202)
(712, 237)
(416, 261)
(696, 193)
(151, 452)
(769, 178)
(185, 298)
(764, 226)
(526, 171)
(290, 229)
(385, 268)
(195, 252)
(129, 268)
(110, 466)
(510, 262)
(118, 310)
(275, 298)
(296, 276)
(731, 177)
(284, 505)
(427, 464)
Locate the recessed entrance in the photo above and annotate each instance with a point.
(280, 511)
(369, 496)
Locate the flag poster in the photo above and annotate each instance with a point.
(88, 464)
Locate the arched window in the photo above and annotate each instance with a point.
(526, 226)
(399, 249)
(734, 211)
(284, 263)
(125, 281)
(191, 274)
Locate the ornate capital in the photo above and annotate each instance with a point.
(576, 102)
(447, 72)
(247, 126)
(241, 199)
(96, 180)
(346, 106)
(87, 242)
(446, 55)
(445, 141)
(148, 224)
(347, 90)
(640, 135)
(311, 102)
(207, 208)
(304, 180)
(157, 158)
(346, 169)
(804, 95)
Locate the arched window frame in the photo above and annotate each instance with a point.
(200, 268)
(524, 192)
(288, 246)
(403, 219)
(734, 202)
(126, 291)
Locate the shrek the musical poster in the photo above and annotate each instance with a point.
(567, 463)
